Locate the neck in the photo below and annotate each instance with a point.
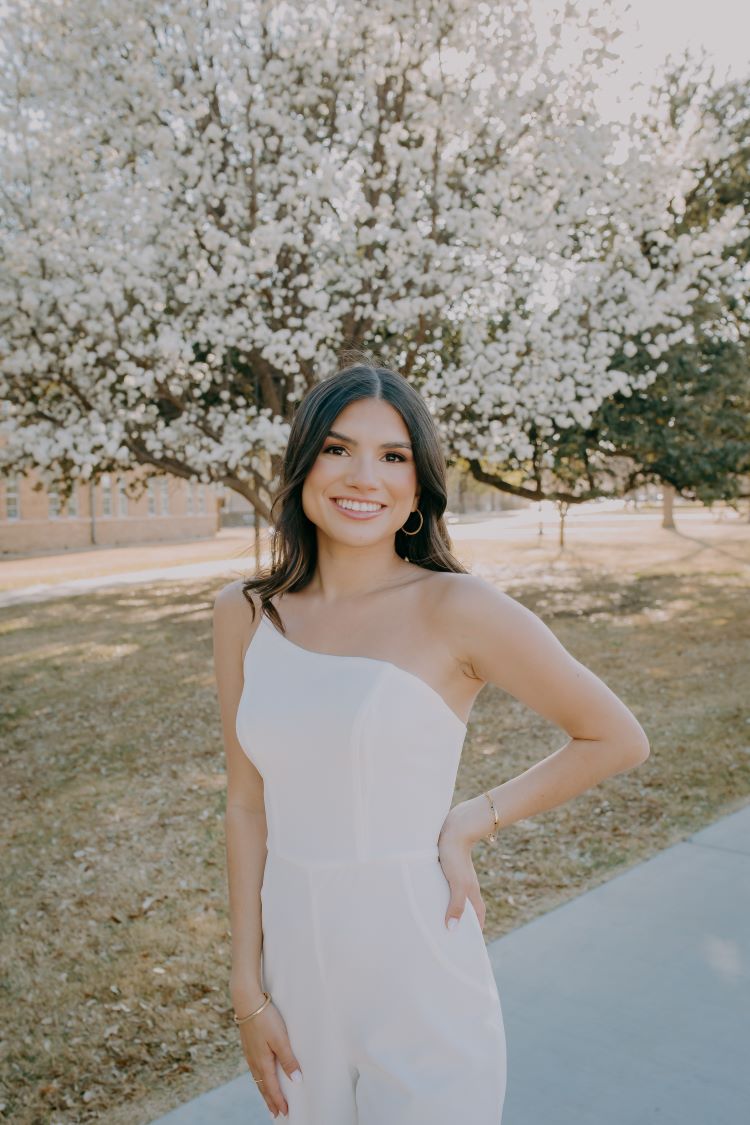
(344, 572)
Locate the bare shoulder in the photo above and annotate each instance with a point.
(231, 594)
(461, 596)
(473, 613)
(234, 625)
(504, 643)
(231, 597)
(232, 610)
(469, 590)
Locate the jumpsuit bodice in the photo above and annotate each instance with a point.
(358, 756)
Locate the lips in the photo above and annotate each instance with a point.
(360, 515)
(356, 500)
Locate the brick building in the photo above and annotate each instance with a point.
(32, 517)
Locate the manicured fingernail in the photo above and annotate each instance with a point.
(452, 922)
(296, 1075)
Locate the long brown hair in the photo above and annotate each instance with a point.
(293, 537)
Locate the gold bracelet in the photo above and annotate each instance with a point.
(493, 834)
(244, 1019)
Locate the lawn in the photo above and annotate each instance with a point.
(116, 949)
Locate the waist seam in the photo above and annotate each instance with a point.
(357, 861)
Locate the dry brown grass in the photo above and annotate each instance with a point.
(115, 921)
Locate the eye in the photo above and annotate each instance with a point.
(390, 453)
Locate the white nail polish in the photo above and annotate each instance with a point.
(296, 1075)
(452, 922)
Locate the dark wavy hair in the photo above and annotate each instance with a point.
(293, 539)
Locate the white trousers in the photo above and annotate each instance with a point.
(394, 1019)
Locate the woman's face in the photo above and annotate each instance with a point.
(367, 458)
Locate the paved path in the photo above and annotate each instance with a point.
(42, 592)
(625, 1006)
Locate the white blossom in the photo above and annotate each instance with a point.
(204, 204)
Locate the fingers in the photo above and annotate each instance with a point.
(288, 1061)
(455, 909)
(262, 1064)
(270, 1088)
(457, 905)
(264, 1046)
(284, 1055)
(462, 883)
(290, 1065)
(275, 1099)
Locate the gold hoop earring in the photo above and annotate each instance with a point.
(421, 525)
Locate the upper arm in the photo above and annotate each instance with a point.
(232, 623)
(508, 645)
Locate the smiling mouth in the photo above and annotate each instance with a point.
(366, 511)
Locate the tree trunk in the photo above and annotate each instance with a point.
(667, 512)
(92, 512)
(562, 508)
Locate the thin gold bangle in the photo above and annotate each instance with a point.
(244, 1019)
(493, 834)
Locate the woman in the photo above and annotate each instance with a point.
(346, 674)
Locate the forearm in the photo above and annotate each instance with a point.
(566, 773)
(246, 860)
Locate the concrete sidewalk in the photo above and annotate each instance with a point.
(629, 1005)
(43, 592)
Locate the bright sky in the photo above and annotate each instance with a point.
(655, 28)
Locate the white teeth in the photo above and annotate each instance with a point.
(358, 506)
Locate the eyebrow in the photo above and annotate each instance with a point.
(385, 445)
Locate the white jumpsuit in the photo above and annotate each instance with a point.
(395, 1019)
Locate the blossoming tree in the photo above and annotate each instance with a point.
(689, 428)
(203, 203)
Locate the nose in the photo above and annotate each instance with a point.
(362, 471)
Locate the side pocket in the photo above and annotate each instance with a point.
(460, 951)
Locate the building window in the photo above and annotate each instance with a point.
(122, 499)
(71, 508)
(201, 498)
(12, 498)
(53, 503)
(106, 495)
(151, 495)
(190, 498)
(164, 489)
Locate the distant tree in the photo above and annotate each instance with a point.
(688, 428)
